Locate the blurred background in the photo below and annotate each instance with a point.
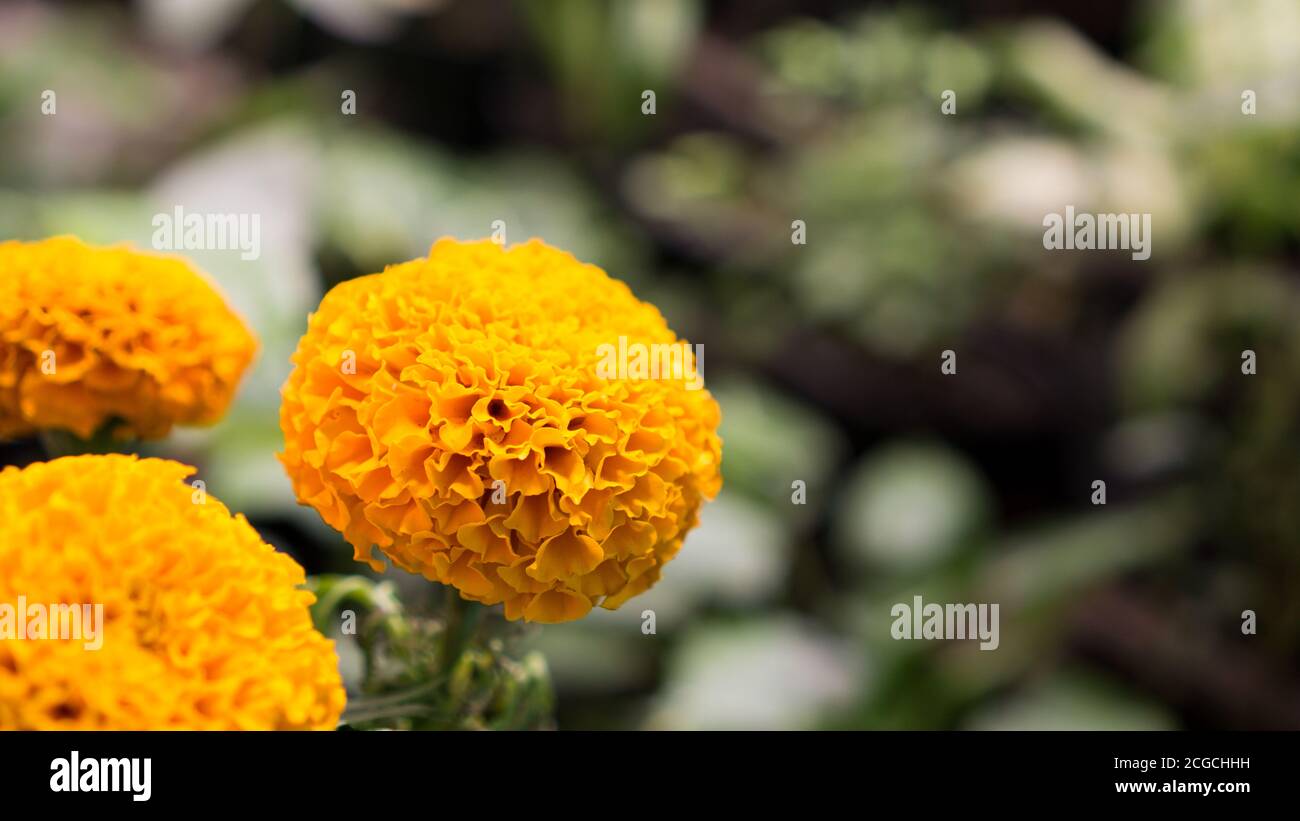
(924, 233)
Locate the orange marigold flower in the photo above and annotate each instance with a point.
(453, 412)
(89, 335)
(203, 626)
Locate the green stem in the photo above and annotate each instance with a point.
(460, 622)
(401, 704)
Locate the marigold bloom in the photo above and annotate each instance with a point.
(204, 624)
(90, 334)
(451, 411)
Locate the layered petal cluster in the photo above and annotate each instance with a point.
(204, 625)
(93, 334)
(452, 411)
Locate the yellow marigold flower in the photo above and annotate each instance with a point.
(452, 412)
(90, 334)
(204, 625)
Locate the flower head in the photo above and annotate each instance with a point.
(453, 411)
(89, 335)
(203, 625)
